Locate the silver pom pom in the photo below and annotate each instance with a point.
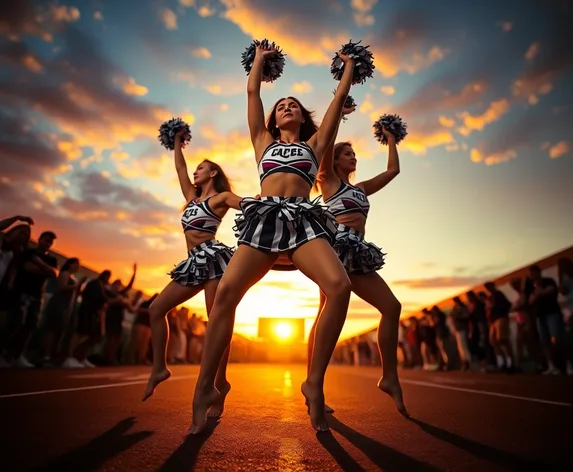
(394, 124)
(169, 129)
(363, 62)
(273, 66)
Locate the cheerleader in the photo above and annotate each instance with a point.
(209, 199)
(361, 259)
(284, 222)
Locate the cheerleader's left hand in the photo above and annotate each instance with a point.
(348, 111)
(344, 58)
(389, 136)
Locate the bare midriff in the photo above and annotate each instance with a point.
(285, 185)
(194, 237)
(356, 221)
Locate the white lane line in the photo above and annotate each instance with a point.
(89, 387)
(471, 390)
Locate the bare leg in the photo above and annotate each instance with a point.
(310, 346)
(247, 267)
(318, 262)
(171, 296)
(372, 289)
(221, 383)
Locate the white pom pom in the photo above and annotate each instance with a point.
(169, 129)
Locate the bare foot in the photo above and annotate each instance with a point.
(201, 403)
(154, 380)
(216, 409)
(393, 388)
(315, 406)
(327, 409)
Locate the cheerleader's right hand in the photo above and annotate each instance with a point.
(266, 52)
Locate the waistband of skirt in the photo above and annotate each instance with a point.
(205, 245)
(347, 230)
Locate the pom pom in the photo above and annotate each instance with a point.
(272, 67)
(394, 124)
(363, 62)
(348, 103)
(169, 129)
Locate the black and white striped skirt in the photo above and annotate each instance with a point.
(357, 255)
(282, 224)
(206, 261)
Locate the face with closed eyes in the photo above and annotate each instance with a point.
(203, 174)
(346, 160)
(288, 112)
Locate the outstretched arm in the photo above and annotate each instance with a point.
(231, 200)
(187, 187)
(393, 169)
(327, 131)
(255, 110)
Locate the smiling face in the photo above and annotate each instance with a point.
(288, 112)
(203, 174)
(345, 160)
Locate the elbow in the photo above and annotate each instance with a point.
(394, 171)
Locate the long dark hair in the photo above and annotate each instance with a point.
(338, 147)
(307, 129)
(221, 181)
(68, 263)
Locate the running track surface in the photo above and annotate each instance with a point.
(93, 419)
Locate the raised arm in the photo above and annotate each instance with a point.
(187, 187)
(328, 128)
(130, 284)
(327, 163)
(4, 224)
(392, 170)
(255, 110)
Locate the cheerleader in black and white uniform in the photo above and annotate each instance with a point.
(209, 199)
(284, 222)
(361, 259)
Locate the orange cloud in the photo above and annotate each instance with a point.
(289, 32)
(168, 18)
(477, 123)
(362, 8)
(447, 122)
(201, 52)
(98, 15)
(388, 90)
(130, 87)
(559, 149)
(418, 142)
(301, 87)
(32, 64)
(492, 159)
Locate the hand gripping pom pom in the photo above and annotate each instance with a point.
(348, 103)
(272, 67)
(169, 129)
(363, 62)
(394, 124)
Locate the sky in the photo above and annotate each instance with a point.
(485, 182)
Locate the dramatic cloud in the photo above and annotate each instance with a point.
(440, 282)
(478, 122)
(129, 86)
(388, 90)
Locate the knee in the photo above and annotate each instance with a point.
(155, 311)
(227, 295)
(394, 308)
(337, 286)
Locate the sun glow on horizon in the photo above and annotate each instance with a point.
(283, 331)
